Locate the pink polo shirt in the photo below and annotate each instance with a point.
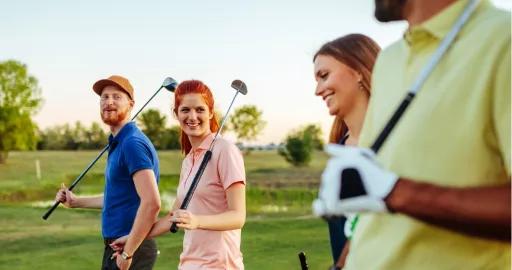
(206, 249)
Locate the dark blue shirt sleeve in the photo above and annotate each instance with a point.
(137, 155)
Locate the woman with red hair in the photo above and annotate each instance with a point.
(216, 213)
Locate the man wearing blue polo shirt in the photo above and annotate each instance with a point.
(131, 202)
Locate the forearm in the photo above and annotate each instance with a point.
(229, 220)
(163, 225)
(95, 202)
(478, 211)
(144, 220)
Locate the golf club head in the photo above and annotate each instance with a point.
(239, 86)
(170, 84)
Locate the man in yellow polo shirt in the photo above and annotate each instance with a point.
(444, 171)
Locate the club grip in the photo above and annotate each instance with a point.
(392, 122)
(49, 212)
(174, 228)
(190, 192)
(303, 262)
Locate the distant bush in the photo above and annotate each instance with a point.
(299, 145)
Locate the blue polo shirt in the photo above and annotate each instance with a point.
(130, 151)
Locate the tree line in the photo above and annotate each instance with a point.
(81, 137)
(297, 147)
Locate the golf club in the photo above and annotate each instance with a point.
(240, 87)
(424, 74)
(303, 261)
(169, 84)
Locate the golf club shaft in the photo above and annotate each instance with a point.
(147, 102)
(391, 123)
(424, 74)
(223, 121)
(77, 180)
(193, 185)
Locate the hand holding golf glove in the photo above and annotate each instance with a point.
(353, 182)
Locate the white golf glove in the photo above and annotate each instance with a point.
(352, 182)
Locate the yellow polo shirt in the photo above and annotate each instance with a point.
(456, 132)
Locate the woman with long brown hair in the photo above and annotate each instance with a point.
(343, 70)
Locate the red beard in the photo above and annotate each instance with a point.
(113, 118)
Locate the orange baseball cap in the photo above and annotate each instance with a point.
(115, 80)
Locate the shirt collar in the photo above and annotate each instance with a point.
(125, 130)
(439, 25)
(205, 144)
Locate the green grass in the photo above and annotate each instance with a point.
(18, 182)
(273, 186)
(59, 165)
(71, 239)
(279, 200)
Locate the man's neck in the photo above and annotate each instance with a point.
(419, 11)
(115, 129)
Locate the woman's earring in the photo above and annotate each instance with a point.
(361, 87)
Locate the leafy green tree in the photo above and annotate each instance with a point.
(59, 137)
(153, 125)
(95, 137)
(20, 97)
(299, 145)
(315, 132)
(171, 138)
(74, 136)
(247, 122)
(51, 139)
(66, 137)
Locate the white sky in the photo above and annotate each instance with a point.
(68, 45)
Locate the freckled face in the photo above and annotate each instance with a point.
(194, 116)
